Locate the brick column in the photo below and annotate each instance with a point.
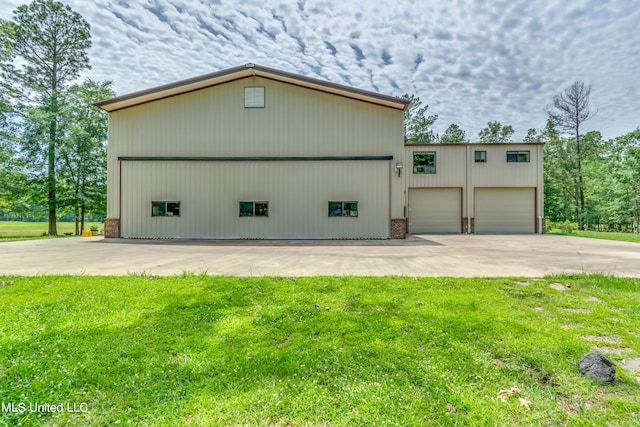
(465, 225)
(398, 228)
(473, 226)
(112, 227)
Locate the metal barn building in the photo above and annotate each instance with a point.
(254, 152)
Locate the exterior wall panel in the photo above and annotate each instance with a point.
(295, 121)
(210, 192)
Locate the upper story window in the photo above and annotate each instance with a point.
(424, 162)
(481, 156)
(254, 97)
(518, 156)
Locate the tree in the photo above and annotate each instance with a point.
(496, 132)
(83, 150)
(453, 135)
(48, 43)
(532, 136)
(571, 109)
(417, 125)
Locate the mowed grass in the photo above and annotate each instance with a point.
(335, 351)
(17, 229)
(606, 235)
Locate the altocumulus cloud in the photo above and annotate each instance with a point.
(472, 61)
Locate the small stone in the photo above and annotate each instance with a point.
(597, 366)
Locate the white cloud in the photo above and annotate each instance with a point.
(471, 61)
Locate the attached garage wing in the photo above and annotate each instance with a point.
(435, 210)
(504, 210)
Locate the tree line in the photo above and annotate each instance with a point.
(589, 182)
(52, 139)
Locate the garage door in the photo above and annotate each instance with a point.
(435, 210)
(504, 210)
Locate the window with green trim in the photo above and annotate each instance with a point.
(424, 162)
(254, 209)
(165, 208)
(349, 209)
(517, 156)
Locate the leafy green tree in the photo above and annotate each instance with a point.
(571, 109)
(532, 136)
(47, 42)
(83, 150)
(453, 135)
(496, 132)
(417, 124)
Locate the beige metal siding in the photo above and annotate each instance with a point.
(450, 166)
(504, 210)
(298, 194)
(497, 172)
(295, 121)
(435, 210)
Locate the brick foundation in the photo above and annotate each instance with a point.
(544, 225)
(398, 228)
(465, 225)
(112, 227)
(472, 226)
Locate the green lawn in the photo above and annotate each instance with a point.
(16, 229)
(624, 237)
(339, 351)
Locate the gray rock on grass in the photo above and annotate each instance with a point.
(597, 366)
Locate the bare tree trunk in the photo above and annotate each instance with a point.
(51, 175)
(82, 216)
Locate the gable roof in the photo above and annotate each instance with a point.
(243, 71)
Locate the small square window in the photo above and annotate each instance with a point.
(481, 156)
(343, 209)
(254, 97)
(517, 156)
(165, 208)
(424, 162)
(254, 209)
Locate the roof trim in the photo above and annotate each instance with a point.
(244, 71)
(460, 144)
(253, 159)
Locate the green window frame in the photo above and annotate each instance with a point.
(343, 209)
(480, 156)
(518, 156)
(253, 209)
(164, 208)
(424, 162)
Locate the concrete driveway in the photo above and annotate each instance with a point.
(419, 255)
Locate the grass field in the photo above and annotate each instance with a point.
(16, 229)
(623, 237)
(339, 351)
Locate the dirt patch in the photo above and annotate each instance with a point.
(559, 287)
(571, 407)
(577, 310)
(609, 350)
(522, 283)
(633, 364)
(592, 298)
(538, 308)
(602, 338)
(567, 327)
(499, 363)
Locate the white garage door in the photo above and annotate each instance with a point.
(504, 210)
(435, 210)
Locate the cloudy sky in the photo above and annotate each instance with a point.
(471, 61)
